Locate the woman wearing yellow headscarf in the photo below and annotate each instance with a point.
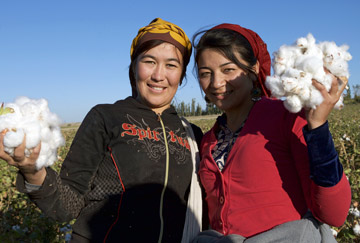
(130, 174)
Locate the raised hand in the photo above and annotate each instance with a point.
(26, 164)
(317, 117)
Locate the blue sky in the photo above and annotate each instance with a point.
(75, 53)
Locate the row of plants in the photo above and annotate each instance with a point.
(21, 221)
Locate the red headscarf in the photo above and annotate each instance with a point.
(259, 49)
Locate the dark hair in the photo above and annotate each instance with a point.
(141, 49)
(226, 42)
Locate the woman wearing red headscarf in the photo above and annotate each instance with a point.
(269, 175)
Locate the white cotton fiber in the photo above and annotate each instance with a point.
(296, 65)
(32, 119)
(14, 138)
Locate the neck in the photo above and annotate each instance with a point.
(160, 110)
(157, 110)
(235, 117)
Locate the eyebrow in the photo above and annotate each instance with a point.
(227, 63)
(169, 59)
(222, 65)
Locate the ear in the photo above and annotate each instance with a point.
(256, 67)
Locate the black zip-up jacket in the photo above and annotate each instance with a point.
(113, 180)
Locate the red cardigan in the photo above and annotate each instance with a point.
(265, 181)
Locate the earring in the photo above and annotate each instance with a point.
(255, 94)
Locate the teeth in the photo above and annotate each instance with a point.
(156, 88)
(222, 94)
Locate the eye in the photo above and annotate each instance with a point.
(228, 70)
(204, 74)
(148, 61)
(172, 65)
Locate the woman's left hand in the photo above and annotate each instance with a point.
(317, 117)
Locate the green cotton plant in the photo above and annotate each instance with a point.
(22, 221)
(345, 128)
(5, 110)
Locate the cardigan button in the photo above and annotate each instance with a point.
(221, 200)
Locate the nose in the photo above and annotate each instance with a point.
(217, 80)
(158, 73)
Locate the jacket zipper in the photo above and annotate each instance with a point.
(165, 180)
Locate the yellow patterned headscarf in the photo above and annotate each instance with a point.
(162, 30)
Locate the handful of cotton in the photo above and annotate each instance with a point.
(32, 119)
(296, 65)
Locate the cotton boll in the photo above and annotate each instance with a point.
(327, 81)
(344, 53)
(43, 156)
(14, 107)
(338, 68)
(340, 104)
(306, 42)
(334, 232)
(32, 130)
(51, 119)
(293, 81)
(274, 84)
(290, 84)
(57, 137)
(293, 103)
(9, 120)
(34, 120)
(14, 138)
(279, 68)
(308, 47)
(305, 83)
(51, 158)
(356, 229)
(308, 59)
(302, 42)
(304, 94)
(41, 162)
(21, 100)
(9, 150)
(30, 111)
(315, 98)
(284, 58)
(311, 64)
(336, 58)
(45, 134)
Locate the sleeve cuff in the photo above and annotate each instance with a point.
(325, 167)
(31, 187)
(47, 188)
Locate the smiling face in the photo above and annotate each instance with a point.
(224, 83)
(158, 73)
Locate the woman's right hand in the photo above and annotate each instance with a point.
(317, 117)
(26, 164)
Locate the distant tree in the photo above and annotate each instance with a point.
(198, 110)
(193, 103)
(211, 109)
(356, 90)
(187, 110)
(182, 108)
(347, 96)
